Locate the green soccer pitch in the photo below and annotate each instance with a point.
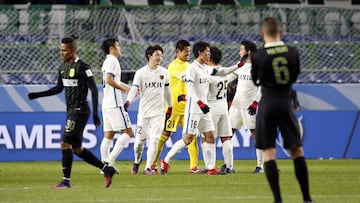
(330, 181)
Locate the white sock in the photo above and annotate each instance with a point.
(151, 151)
(175, 149)
(210, 154)
(105, 149)
(203, 147)
(260, 157)
(227, 150)
(138, 149)
(118, 147)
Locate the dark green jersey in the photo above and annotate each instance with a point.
(275, 68)
(76, 79)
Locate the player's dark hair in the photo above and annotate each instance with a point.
(270, 26)
(151, 49)
(69, 41)
(199, 47)
(216, 55)
(181, 44)
(105, 46)
(249, 45)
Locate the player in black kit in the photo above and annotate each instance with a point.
(76, 78)
(275, 67)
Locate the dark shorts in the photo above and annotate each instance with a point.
(276, 114)
(75, 124)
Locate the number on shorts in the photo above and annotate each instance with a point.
(193, 124)
(70, 125)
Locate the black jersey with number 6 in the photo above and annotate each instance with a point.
(275, 68)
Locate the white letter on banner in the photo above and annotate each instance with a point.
(52, 132)
(21, 134)
(89, 134)
(5, 137)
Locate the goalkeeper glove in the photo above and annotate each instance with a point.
(126, 105)
(204, 108)
(181, 97)
(252, 108)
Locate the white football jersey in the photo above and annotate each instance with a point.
(197, 75)
(152, 90)
(217, 94)
(246, 90)
(112, 96)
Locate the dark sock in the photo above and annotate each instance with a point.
(67, 159)
(301, 173)
(90, 158)
(272, 175)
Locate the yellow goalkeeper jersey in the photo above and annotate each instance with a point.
(177, 71)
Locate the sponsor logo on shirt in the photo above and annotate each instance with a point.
(153, 84)
(70, 82)
(245, 77)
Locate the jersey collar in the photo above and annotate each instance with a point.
(274, 44)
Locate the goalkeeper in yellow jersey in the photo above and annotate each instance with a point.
(177, 70)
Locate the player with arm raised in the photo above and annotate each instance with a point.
(116, 119)
(76, 77)
(153, 82)
(177, 70)
(197, 116)
(244, 105)
(275, 68)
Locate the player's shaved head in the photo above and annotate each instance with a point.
(270, 27)
(69, 41)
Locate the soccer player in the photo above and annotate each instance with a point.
(76, 77)
(197, 116)
(217, 99)
(115, 118)
(153, 82)
(275, 67)
(243, 107)
(177, 70)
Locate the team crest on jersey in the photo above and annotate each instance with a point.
(161, 77)
(72, 72)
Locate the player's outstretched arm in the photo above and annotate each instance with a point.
(52, 91)
(221, 71)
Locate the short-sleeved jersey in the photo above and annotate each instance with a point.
(112, 96)
(275, 68)
(217, 94)
(74, 77)
(177, 70)
(152, 90)
(245, 90)
(198, 75)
